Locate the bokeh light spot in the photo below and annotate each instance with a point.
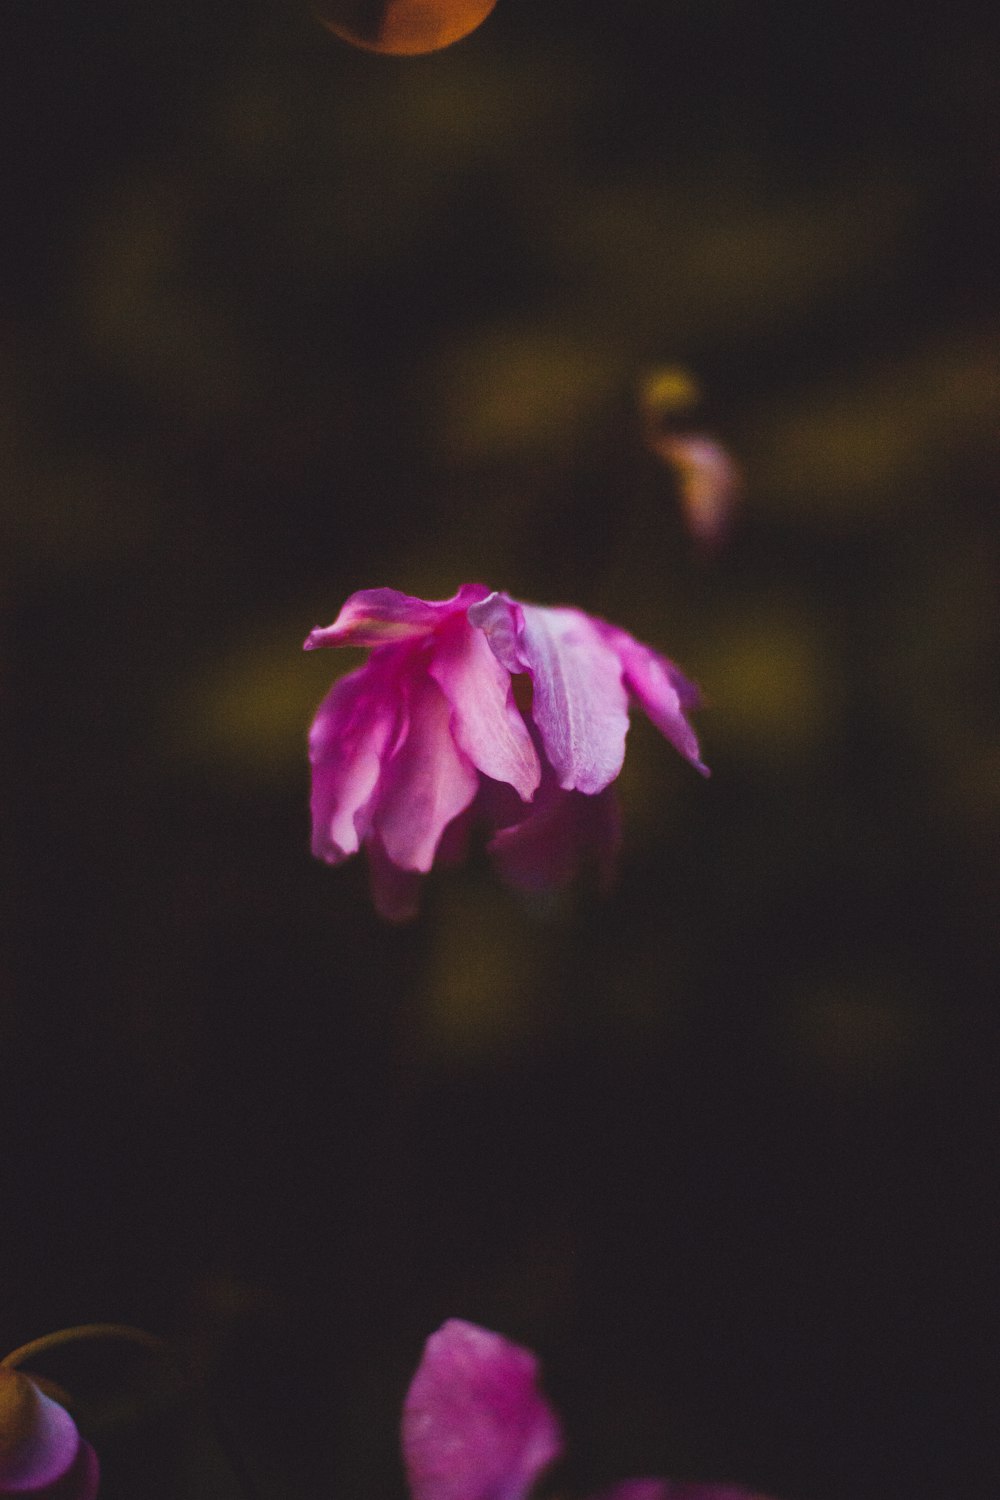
(403, 28)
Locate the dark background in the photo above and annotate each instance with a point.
(279, 320)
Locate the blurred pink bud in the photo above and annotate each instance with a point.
(709, 479)
(42, 1456)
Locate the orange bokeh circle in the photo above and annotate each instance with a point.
(403, 28)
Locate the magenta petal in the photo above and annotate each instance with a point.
(453, 849)
(485, 719)
(41, 1452)
(475, 1425)
(354, 731)
(428, 782)
(580, 704)
(81, 1482)
(562, 834)
(395, 892)
(374, 617)
(501, 620)
(663, 691)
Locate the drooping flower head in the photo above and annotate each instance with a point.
(42, 1456)
(403, 747)
(477, 1427)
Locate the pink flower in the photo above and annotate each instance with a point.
(42, 1456)
(428, 732)
(476, 1426)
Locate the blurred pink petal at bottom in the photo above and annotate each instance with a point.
(476, 1426)
(42, 1455)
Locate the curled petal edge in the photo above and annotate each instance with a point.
(376, 617)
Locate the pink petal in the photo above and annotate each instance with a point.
(485, 719)
(352, 735)
(475, 1426)
(43, 1453)
(81, 1482)
(373, 617)
(395, 892)
(453, 849)
(428, 782)
(501, 619)
(663, 691)
(563, 833)
(580, 704)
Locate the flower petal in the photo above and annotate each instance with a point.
(663, 691)
(562, 833)
(40, 1448)
(354, 731)
(501, 619)
(373, 617)
(395, 892)
(475, 1425)
(580, 704)
(82, 1481)
(428, 782)
(485, 719)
